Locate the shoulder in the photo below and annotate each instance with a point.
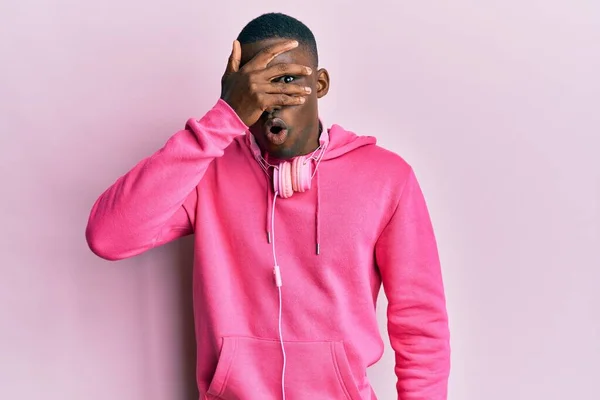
(371, 167)
(382, 165)
(381, 158)
(364, 153)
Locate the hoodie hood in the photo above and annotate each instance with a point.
(342, 141)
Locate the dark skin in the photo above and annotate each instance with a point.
(276, 78)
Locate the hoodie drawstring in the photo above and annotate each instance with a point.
(317, 214)
(269, 213)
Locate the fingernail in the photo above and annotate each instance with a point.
(308, 70)
(302, 99)
(307, 89)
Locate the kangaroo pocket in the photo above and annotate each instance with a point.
(251, 369)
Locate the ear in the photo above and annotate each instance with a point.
(322, 82)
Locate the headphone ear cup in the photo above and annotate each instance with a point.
(304, 175)
(281, 177)
(296, 174)
(286, 179)
(276, 187)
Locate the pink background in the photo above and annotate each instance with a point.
(495, 103)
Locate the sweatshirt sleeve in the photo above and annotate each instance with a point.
(154, 202)
(407, 257)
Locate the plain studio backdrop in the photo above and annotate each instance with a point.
(496, 104)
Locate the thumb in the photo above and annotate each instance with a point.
(233, 65)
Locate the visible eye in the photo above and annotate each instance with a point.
(285, 79)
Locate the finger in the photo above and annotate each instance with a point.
(284, 88)
(266, 55)
(233, 64)
(279, 70)
(273, 100)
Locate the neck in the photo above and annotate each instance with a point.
(313, 143)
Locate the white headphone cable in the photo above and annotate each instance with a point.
(279, 283)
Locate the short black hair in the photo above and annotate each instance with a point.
(278, 25)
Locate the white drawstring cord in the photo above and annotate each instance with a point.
(279, 283)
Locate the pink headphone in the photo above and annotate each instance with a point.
(294, 176)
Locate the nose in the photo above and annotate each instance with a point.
(272, 109)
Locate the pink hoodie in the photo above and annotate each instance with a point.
(365, 212)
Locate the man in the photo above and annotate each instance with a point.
(296, 228)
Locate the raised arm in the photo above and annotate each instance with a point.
(154, 202)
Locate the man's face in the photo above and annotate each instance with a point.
(301, 121)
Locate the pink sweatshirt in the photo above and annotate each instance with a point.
(366, 213)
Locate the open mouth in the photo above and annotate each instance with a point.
(276, 131)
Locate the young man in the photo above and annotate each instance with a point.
(296, 228)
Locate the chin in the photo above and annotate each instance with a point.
(281, 152)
